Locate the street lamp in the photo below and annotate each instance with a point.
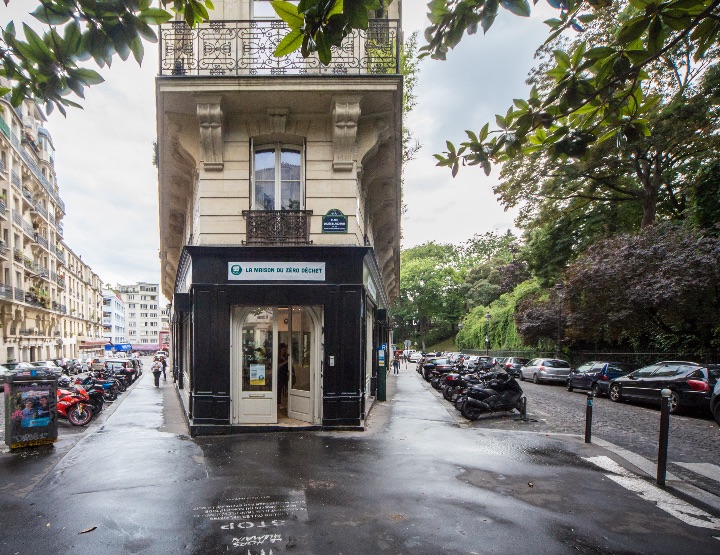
(487, 334)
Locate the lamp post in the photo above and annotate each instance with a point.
(487, 334)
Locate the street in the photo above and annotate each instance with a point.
(694, 441)
(415, 482)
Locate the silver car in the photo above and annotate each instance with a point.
(545, 370)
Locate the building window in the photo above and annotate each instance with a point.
(277, 183)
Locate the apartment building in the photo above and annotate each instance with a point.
(143, 314)
(113, 317)
(49, 299)
(279, 185)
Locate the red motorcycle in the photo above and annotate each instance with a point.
(74, 404)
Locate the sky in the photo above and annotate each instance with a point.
(108, 182)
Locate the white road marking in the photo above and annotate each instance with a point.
(708, 470)
(672, 505)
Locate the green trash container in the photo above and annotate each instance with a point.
(31, 408)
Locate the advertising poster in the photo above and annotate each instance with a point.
(257, 374)
(33, 411)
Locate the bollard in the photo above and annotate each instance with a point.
(588, 418)
(664, 431)
(523, 410)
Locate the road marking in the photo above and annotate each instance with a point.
(672, 505)
(708, 470)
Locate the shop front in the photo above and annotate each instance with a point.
(276, 338)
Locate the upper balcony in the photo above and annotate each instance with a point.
(245, 48)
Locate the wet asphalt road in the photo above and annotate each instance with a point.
(414, 482)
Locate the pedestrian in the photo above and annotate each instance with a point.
(164, 367)
(396, 365)
(157, 370)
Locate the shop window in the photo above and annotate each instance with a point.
(277, 178)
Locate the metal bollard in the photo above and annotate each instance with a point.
(588, 418)
(664, 432)
(523, 412)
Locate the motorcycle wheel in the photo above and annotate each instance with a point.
(448, 393)
(471, 413)
(111, 394)
(80, 415)
(97, 406)
(121, 385)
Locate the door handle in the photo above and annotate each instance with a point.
(257, 395)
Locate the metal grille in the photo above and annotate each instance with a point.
(246, 48)
(273, 227)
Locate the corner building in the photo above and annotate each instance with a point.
(279, 184)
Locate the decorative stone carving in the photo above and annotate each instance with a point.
(346, 114)
(210, 115)
(278, 119)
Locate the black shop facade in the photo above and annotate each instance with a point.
(276, 338)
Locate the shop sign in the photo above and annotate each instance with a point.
(334, 222)
(276, 271)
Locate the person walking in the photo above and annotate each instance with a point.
(157, 370)
(164, 367)
(396, 365)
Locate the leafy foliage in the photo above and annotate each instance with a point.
(46, 67)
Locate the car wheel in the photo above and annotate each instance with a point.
(535, 378)
(596, 390)
(615, 393)
(675, 406)
(569, 387)
(716, 413)
(522, 377)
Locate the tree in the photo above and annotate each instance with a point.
(658, 289)
(45, 67)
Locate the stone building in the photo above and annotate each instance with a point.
(143, 314)
(279, 184)
(49, 299)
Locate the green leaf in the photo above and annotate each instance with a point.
(288, 13)
(517, 7)
(337, 9)
(562, 59)
(38, 46)
(155, 16)
(88, 76)
(52, 14)
(290, 43)
(501, 123)
(633, 29)
(484, 132)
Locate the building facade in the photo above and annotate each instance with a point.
(49, 300)
(279, 183)
(113, 317)
(143, 314)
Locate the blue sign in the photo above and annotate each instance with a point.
(334, 222)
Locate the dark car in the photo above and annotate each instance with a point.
(715, 402)
(512, 365)
(690, 384)
(442, 365)
(596, 376)
(128, 367)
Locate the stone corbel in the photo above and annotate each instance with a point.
(346, 114)
(210, 116)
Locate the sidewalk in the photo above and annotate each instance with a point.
(416, 482)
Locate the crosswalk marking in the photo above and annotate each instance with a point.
(672, 505)
(708, 470)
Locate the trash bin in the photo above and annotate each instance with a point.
(30, 408)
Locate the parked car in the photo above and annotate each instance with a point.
(45, 363)
(15, 365)
(127, 366)
(690, 384)
(715, 402)
(512, 365)
(442, 365)
(596, 376)
(97, 364)
(470, 363)
(541, 370)
(415, 356)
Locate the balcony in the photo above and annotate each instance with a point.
(59, 228)
(277, 227)
(28, 229)
(15, 180)
(27, 196)
(61, 282)
(3, 209)
(4, 251)
(60, 256)
(227, 48)
(6, 292)
(42, 241)
(17, 218)
(39, 209)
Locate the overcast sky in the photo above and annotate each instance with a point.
(109, 185)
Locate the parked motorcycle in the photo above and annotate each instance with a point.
(502, 394)
(74, 405)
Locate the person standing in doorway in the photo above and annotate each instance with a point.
(283, 374)
(396, 365)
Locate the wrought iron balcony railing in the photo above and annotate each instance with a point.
(6, 292)
(224, 48)
(273, 227)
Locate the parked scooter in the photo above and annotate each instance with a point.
(502, 394)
